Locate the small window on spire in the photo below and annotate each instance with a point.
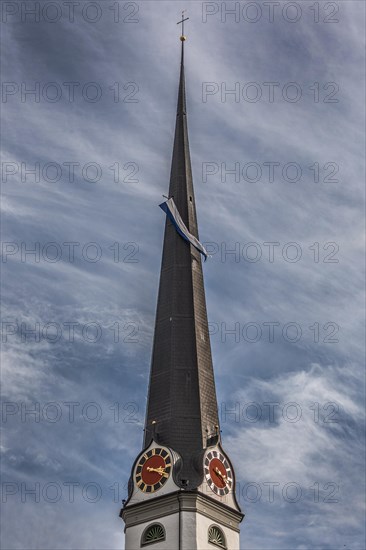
(216, 537)
(190, 198)
(153, 533)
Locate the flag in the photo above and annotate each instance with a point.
(170, 208)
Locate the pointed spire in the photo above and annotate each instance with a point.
(182, 92)
(181, 107)
(182, 398)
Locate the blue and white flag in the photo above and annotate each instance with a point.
(171, 211)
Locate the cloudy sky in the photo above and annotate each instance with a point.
(276, 110)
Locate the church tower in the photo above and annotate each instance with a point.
(182, 485)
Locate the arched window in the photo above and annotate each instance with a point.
(153, 533)
(216, 536)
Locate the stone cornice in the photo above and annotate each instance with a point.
(184, 501)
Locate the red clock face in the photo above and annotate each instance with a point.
(153, 470)
(218, 473)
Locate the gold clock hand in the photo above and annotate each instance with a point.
(161, 471)
(221, 476)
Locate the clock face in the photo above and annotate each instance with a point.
(218, 473)
(153, 470)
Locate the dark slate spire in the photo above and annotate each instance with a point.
(182, 397)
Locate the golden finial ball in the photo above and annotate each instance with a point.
(183, 38)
